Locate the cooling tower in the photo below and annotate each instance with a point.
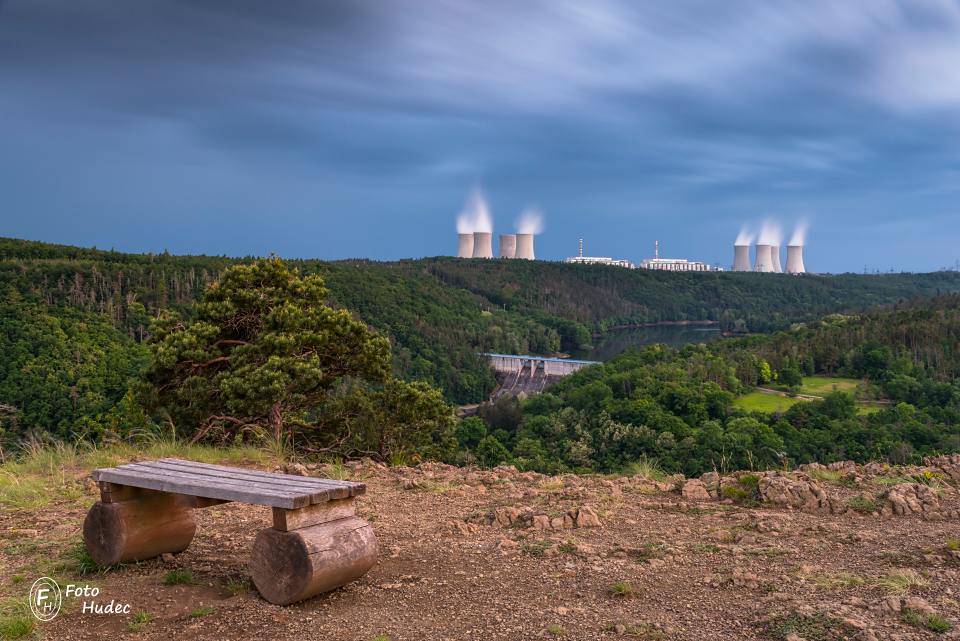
(741, 258)
(508, 245)
(525, 246)
(775, 256)
(465, 246)
(764, 262)
(482, 244)
(795, 259)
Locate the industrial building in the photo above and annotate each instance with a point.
(767, 257)
(598, 260)
(674, 264)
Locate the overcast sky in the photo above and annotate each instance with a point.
(349, 128)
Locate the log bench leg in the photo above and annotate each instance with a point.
(137, 529)
(311, 550)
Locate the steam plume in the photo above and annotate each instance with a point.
(770, 234)
(475, 216)
(745, 237)
(799, 233)
(530, 221)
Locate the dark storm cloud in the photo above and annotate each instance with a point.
(701, 113)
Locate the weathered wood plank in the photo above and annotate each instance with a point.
(113, 493)
(336, 491)
(355, 487)
(204, 479)
(200, 486)
(287, 520)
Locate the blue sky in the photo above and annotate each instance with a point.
(358, 128)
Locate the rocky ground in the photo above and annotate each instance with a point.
(845, 552)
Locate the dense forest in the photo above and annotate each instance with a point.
(677, 405)
(76, 320)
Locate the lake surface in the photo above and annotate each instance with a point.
(616, 341)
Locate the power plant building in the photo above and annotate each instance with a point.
(525, 247)
(464, 245)
(764, 261)
(795, 260)
(482, 244)
(580, 259)
(508, 245)
(741, 258)
(674, 264)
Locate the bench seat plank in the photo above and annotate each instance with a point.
(224, 483)
(338, 489)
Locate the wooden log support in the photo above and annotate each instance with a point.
(292, 566)
(137, 529)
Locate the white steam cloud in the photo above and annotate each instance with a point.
(475, 215)
(530, 221)
(800, 233)
(745, 237)
(770, 234)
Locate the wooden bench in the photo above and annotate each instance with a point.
(317, 542)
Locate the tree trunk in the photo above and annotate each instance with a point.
(276, 421)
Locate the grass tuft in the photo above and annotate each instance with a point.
(933, 622)
(863, 504)
(621, 589)
(899, 581)
(179, 577)
(138, 621)
(201, 611)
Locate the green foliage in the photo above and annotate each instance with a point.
(863, 504)
(179, 577)
(621, 589)
(812, 627)
(263, 351)
(933, 622)
(138, 621)
(201, 611)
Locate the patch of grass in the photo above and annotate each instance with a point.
(766, 403)
(646, 467)
(201, 611)
(380, 637)
(891, 480)
(899, 581)
(77, 561)
(236, 584)
(863, 504)
(16, 620)
(823, 385)
(952, 544)
(567, 547)
(768, 551)
(556, 630)
(17, 579)
(138, 621)
(706, 548)
(933, 622)
(646, 551)
(537, 548)
(745, 492)
(812, 627)
(179, 577)
(838, 581)
(828, 476)
(621, 589)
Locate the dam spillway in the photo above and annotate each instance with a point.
(525, 374)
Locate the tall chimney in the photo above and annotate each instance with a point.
(795, 259)
(764, 262)
(741, 258)
(482, 244)
(525, 246)
(581, 248)
(465, 246)
(508, 245)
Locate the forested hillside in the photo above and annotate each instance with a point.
(677, 406)
(68, 312)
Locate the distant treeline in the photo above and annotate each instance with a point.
(439, 312)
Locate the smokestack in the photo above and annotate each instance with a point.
(482, 244)
(764, 262)
(775, 255)
(741, 258)
(525, 246)
(465, 246)
(508, 245)
(795, 259)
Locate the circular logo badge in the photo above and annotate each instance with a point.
(45, 598)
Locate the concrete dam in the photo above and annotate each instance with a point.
(523, 374)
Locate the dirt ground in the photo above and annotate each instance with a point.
(470, 554)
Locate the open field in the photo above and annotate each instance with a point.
(767, 403)
(458, 561)
(823, 385)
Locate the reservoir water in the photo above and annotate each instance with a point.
(616, 341)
